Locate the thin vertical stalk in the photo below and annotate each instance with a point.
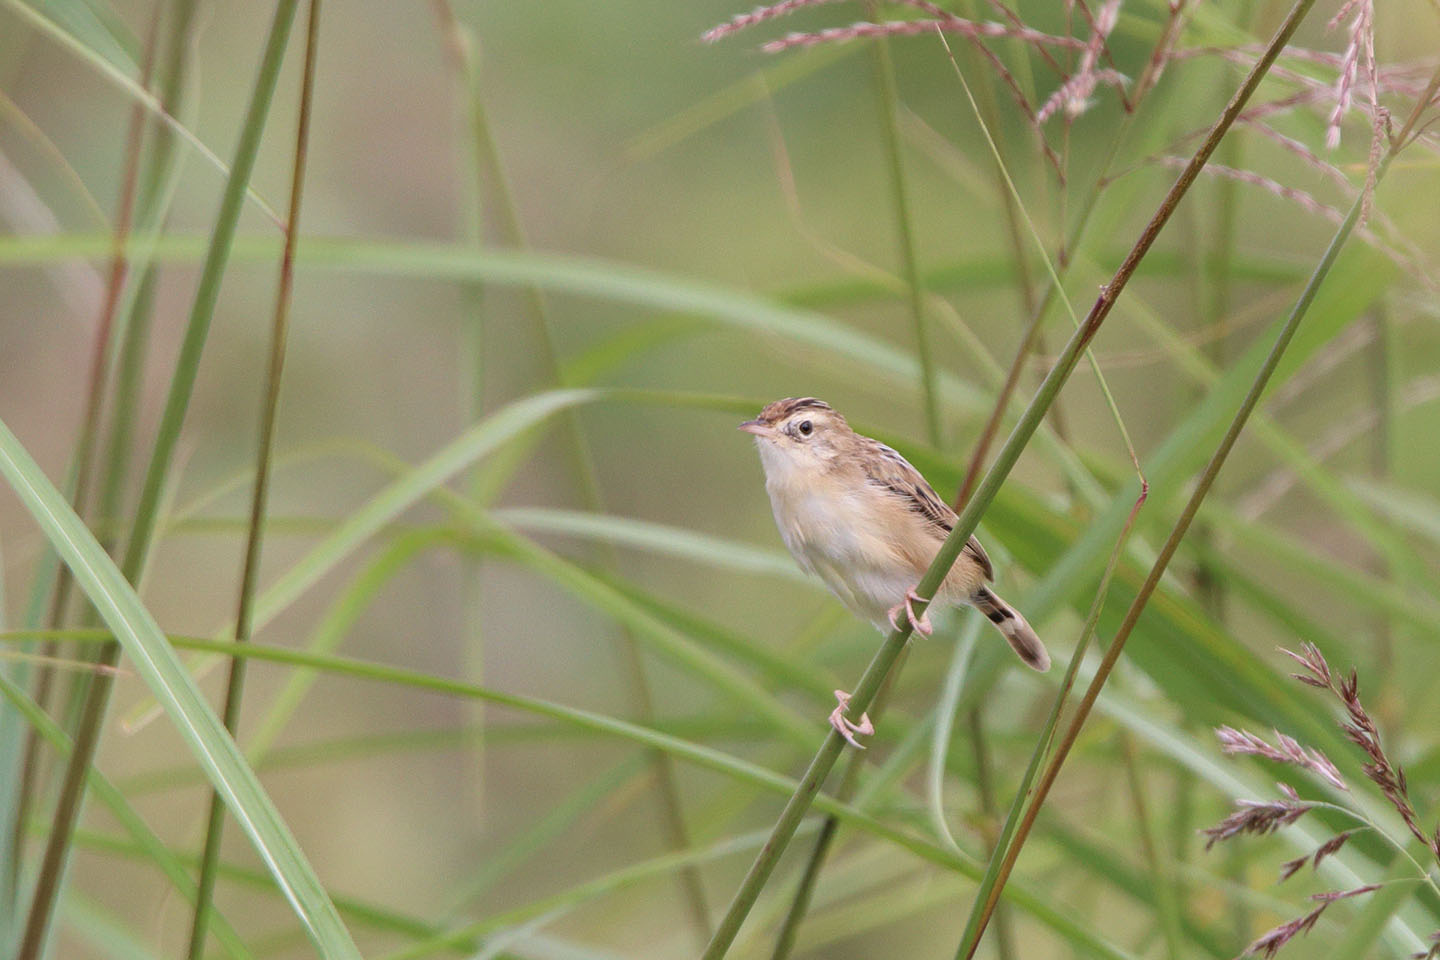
(82, 467)
(134, 344)
(888, 98)
(1056, 283)
(985, 492)
(985, 789)
(810, 876)
(508, 214)
(72, 791)
(990, 114)
(984, 906)
(975, 728)
(114, 284)
(161, 173)
(260, 491)
(975, 718)
(460, 48)
(1215, 278)
(1381, 363)
(1166, 904)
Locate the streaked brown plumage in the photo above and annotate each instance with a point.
(859, 516)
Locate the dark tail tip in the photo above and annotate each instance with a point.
(1025, 643)
(1023, 639)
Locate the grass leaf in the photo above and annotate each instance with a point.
(157, 664)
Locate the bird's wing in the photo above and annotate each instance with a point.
(886, 468)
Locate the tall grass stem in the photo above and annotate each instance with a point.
(260, 491)
(888, 99)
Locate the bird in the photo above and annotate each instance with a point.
(855, 513)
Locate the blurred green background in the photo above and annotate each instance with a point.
(634, 151)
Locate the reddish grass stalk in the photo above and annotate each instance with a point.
(1163, 52)
(260, 493)
(89, 429)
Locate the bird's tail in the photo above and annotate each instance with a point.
(1008, 621)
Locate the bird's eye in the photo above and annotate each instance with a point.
(806, 428)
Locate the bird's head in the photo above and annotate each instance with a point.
(798, 433)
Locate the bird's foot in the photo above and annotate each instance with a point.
(920, 624)
(848, 728)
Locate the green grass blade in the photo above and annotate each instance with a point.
(156, 662)
(584, 276)
(706, 757)
(591, 277)
(979, 272)
(944, 725)
(677, 542)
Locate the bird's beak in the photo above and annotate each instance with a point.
(757, 428)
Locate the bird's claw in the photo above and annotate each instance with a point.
(846, 727)
(920, 624)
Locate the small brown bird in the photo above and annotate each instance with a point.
(857, 515)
